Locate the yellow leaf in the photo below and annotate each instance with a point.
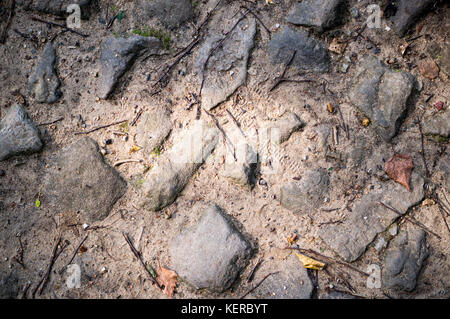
(365, 121)
(309, 262)
(135, 148)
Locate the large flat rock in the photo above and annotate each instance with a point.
(18, 134)
(320, 14)
(369, 218)
(171, 13)
(78, 180)
(382, 94)
(437, 124)
(211, 253)
(118, 55)
(226, 69)
(175, 167)
(407, 13)
(311, 54)
(404, 259)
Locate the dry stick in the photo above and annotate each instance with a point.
(139, 257)
(284, 71)
(216, 47)
(310, 251)
(258, 284)
(61, 26)
(8, 22)
(344, 125)
(260, 21)
(442, 210)
(99, 127)
(412, 220)
(133, 123)
(250, 275)
(131, 160)
(235, 121)
(216, 122)
(423, 148)
(73, 256)
(52, 122)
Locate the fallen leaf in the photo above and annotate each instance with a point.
(38, 203)
(291, 239)
(365, 121)
(330, 107)
(399, 168)
(135, 148)
(337, 46)
(404, 47)
(309, 262)
(168, 279)
(429, 69)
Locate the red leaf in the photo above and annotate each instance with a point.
(399, 168)
(168, 279)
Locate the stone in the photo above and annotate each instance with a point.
(18, 134)
(311, 54)
(153, 128)
(242, 171)
(226, 69)
(437, 124)
(171, 13)
(407, 12)
(382, 95)
(287, 124)
(291, 281)
(44, 82)
(78, 180)
(74, 276)
(319, 14)
(174, 168)
(307, 194)
(118, 55)
(369, 218)
(404, 259)
(57, 7)
(336, 295)
(429, 69)
(211, 253)
(9, 286)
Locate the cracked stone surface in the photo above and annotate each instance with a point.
(382, 94)
(369, 218)
(211, 253)
(18, 134)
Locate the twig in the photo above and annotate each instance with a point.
(443, 217)
(19, 257)
(414, 38)
(52, 122)
(260, 21)
(139, 257)
(111, 22)
(100, 127)
(73, 256)
(61, 26)
(216, 122)
(131, 160)
(258, 284)
(344, 125)
(412, 220)
(133, 123)
(330, 222)
(423, 148)
(252, 272)
(329, 259)
(284, 71)
(8, 21)
(235, 121)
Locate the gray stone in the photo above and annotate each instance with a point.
(210, 254)
(243, 170)
(174, 168)
(407, 13)
(117, 56)
(311, 54)
(404, 259)
(78, 180)
(153, 128)
(291, 281)
(57, 7)
(171, 13)
(9, 286)
(287, 124)
(382, 95)
(18, 134)
(320, 14)
(369, 218)
(306, 194)
(437, 124)
(44, 82)
(226, 70)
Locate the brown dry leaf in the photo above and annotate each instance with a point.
(291, 239)
(330, 107)
(309, 262)
(168, 279)
(134, 148)
(399, 168)
(429, 69)
(338, 46)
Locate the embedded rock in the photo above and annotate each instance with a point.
(437, 124)
(407, 12)
(57, 7)
(320, 14)
(18, 134)
(171, 13)
(153, 128)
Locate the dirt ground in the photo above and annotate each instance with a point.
(109, 268)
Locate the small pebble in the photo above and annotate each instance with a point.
(2, 172)
(376, 50)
